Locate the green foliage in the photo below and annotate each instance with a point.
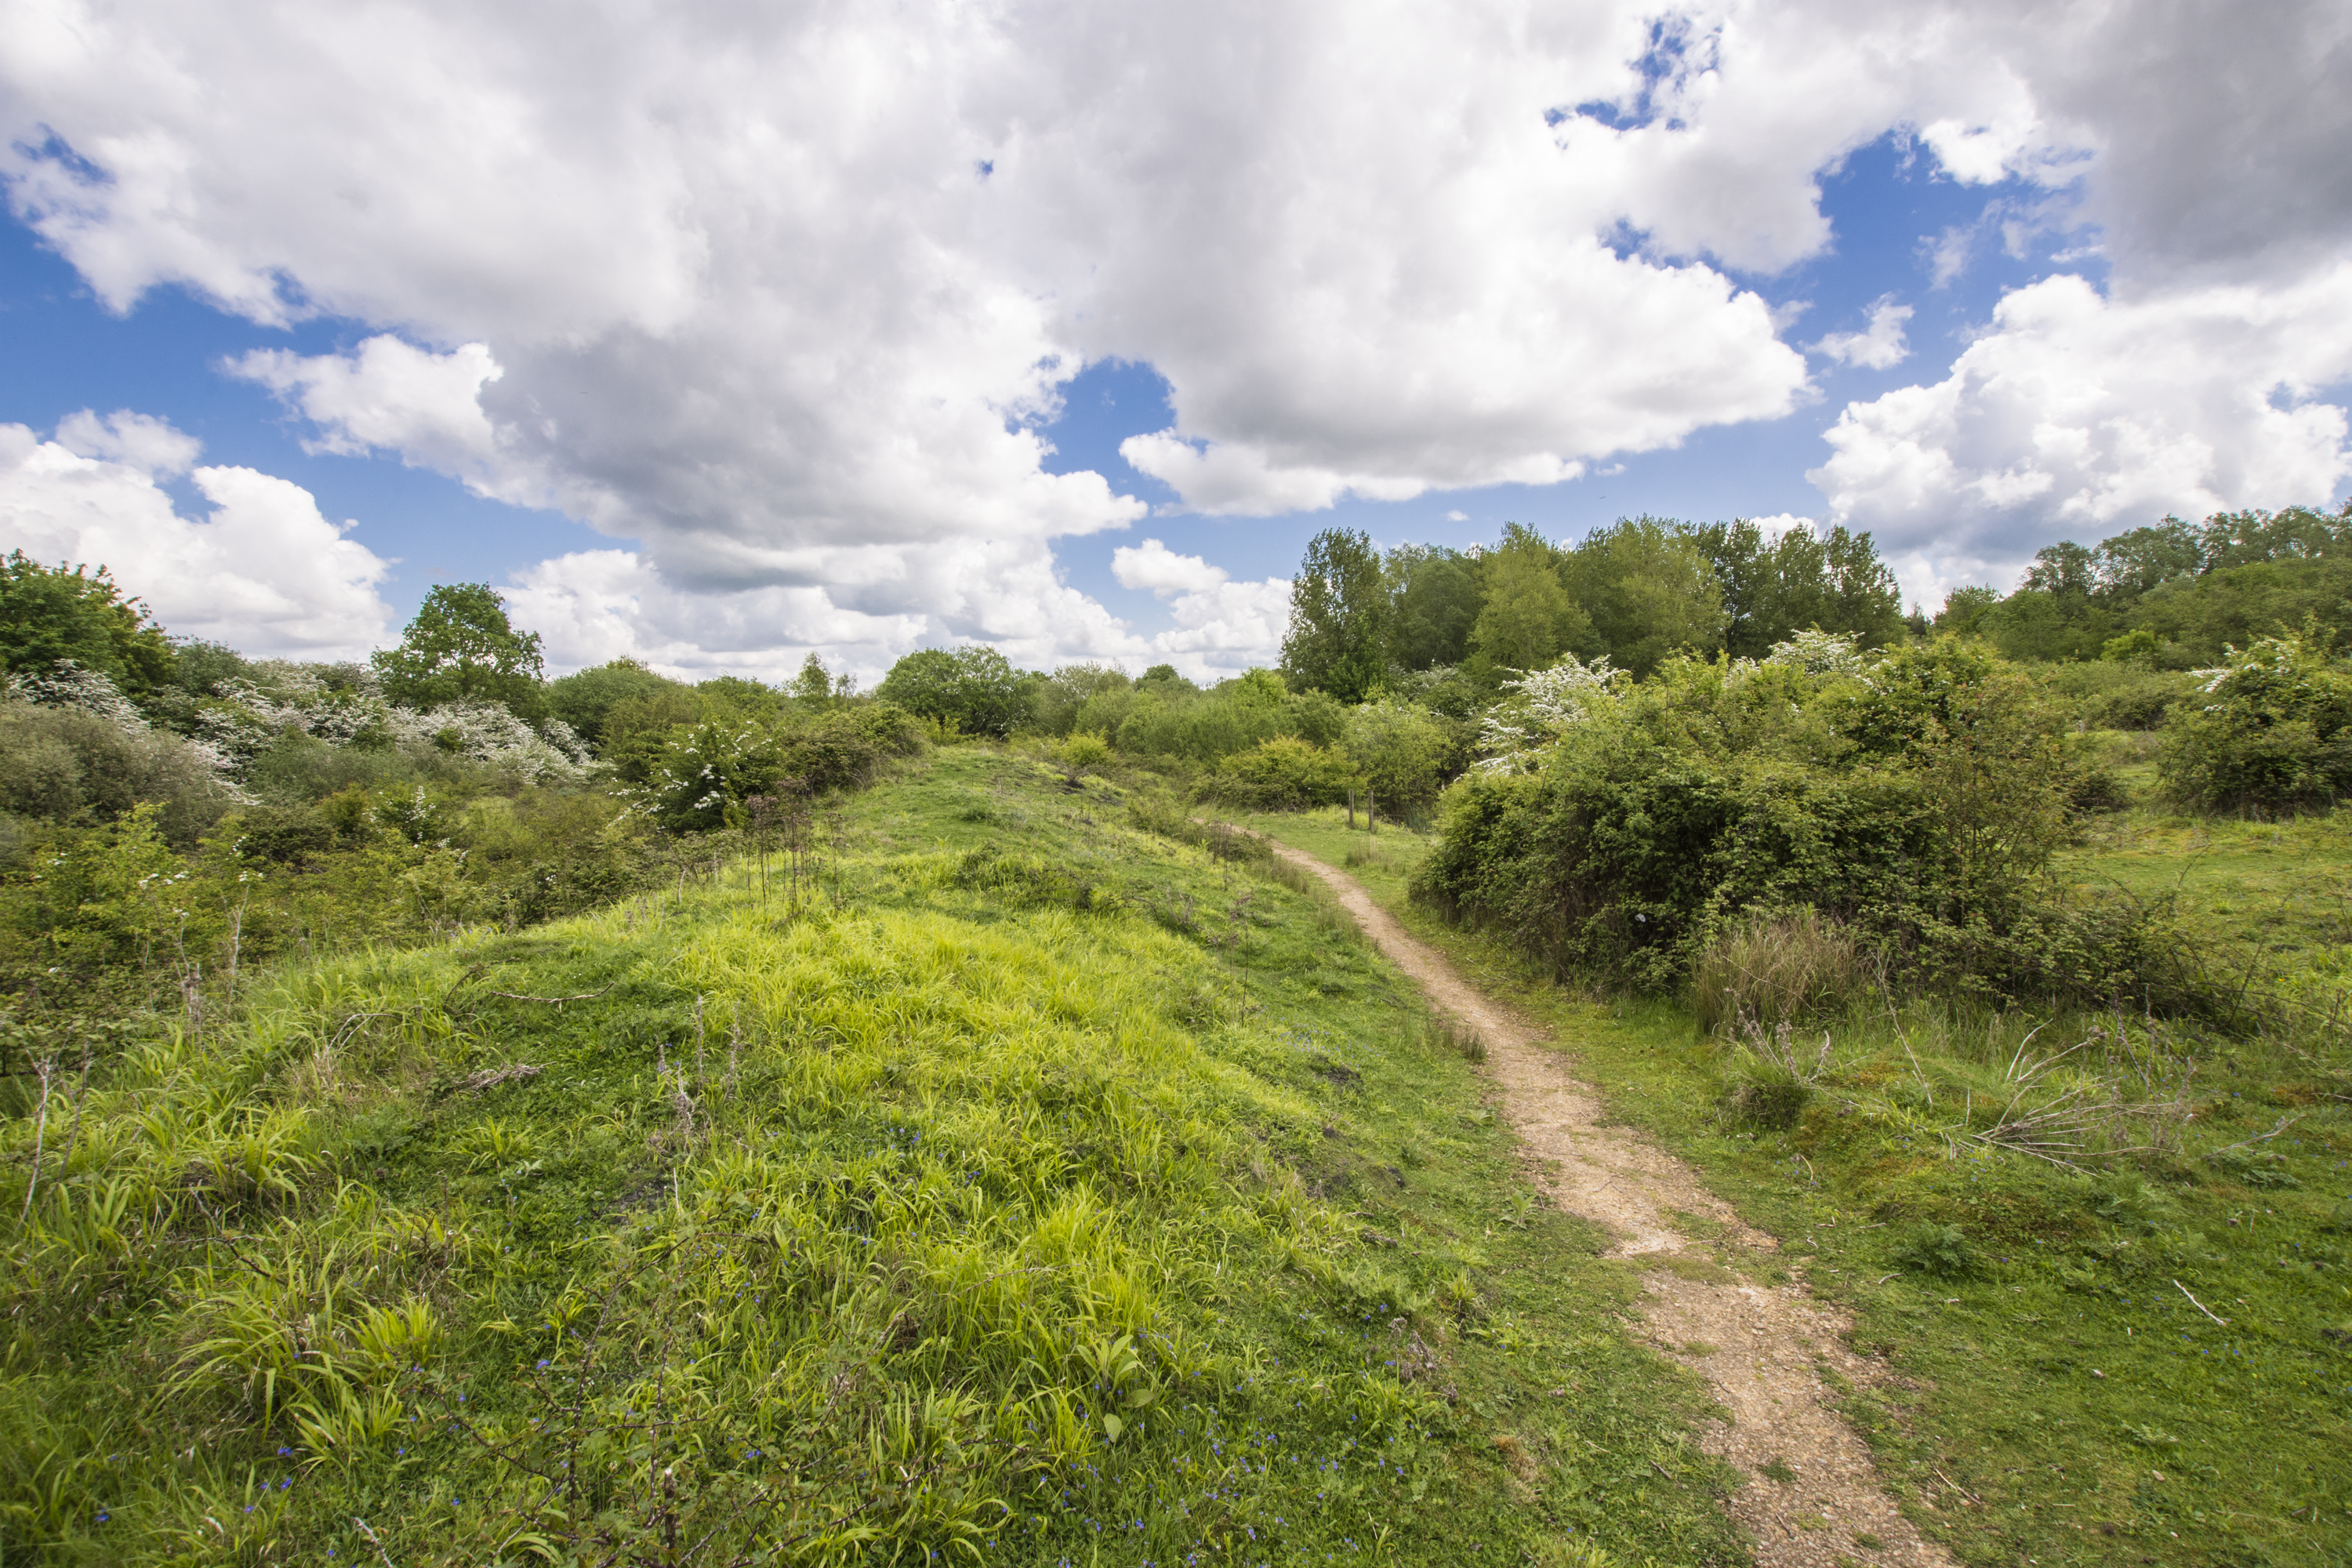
(1528, 620)
(1438, 594)
(972, 688)
(1402, 751)
(1284, 773)
(48, 614)
(2271, 732)
(462, 648)
(1056, 701)
(588, 699)
(1917, 806)
(1773, 589)
(703, 775)
(1340, 618)
(1651, 589)
(2192, 589)
(1940, 1251)
(70, 765)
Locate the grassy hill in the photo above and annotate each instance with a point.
(1005, 1183)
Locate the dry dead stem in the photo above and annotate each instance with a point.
(1762, 1347)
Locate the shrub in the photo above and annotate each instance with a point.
(68, 765)
(2273, 733)
(1404, 753)
(1283, 774)
(1777, 970)
(971, 687)
(1940, 1250)
(1083, 750)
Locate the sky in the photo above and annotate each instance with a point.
(715, 334)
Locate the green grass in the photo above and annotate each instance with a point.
(2060, 1398)
(1037, 1190)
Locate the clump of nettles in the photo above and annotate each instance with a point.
(1941, 1250)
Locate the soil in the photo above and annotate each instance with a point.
(1762, 1347)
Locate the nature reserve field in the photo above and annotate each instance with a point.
(1016, 1185)
(2068, 1390)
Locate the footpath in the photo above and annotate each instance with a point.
(1763, 1347)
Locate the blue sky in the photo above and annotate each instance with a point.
(602, 353)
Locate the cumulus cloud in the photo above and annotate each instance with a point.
(391, 396)
(1879, 347)
(1152, 565)
(786, 293)
(264, 571)
(2081, 414)
(1223, 628)
(139, 441)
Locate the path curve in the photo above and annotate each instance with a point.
(1761, 1347)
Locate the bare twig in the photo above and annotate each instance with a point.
(556, 1002)
(47, 1069)
(2283, 1123)
(2198, 1304)
(380, 1552)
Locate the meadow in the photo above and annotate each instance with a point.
(2106, 1254)
(1002, 1178)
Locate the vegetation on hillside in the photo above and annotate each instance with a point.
(469, 1115)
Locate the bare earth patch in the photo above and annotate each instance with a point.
(1812, 1497)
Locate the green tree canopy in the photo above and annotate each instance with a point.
(1650, 588)
(1528, 620)
(1339, 613)
(972, 688)
(462, 648)
(1437, 596)
(48, 614)
(586, 700)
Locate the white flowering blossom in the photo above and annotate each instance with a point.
(72, 685)
(353, 709)
(1817, 652)
(486, 732)
(92, 692)
(1549, 702)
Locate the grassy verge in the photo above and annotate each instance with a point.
(2064, 1399)
(1002, 1181)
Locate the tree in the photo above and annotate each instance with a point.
(2063, 568)
(48, 614)
(1437, 596)
(1964, 609)
(813, 684)
(1339, 613)
(1650, 589)
(1775, 588)
(587, 700)
(462, 648)
(972, 688)
(1528, 620)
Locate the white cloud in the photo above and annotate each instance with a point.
(2079, 415)
(139, 441)
(729, 281)
(1880, 346)
(1153, 565)
(264, 571)
(1781, 522)
(392, 396)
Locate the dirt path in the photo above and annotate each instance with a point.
(1761, 1347)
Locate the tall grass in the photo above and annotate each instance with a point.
(943, 1218)
(1779, 969)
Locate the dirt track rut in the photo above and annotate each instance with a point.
(1762, 1347)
